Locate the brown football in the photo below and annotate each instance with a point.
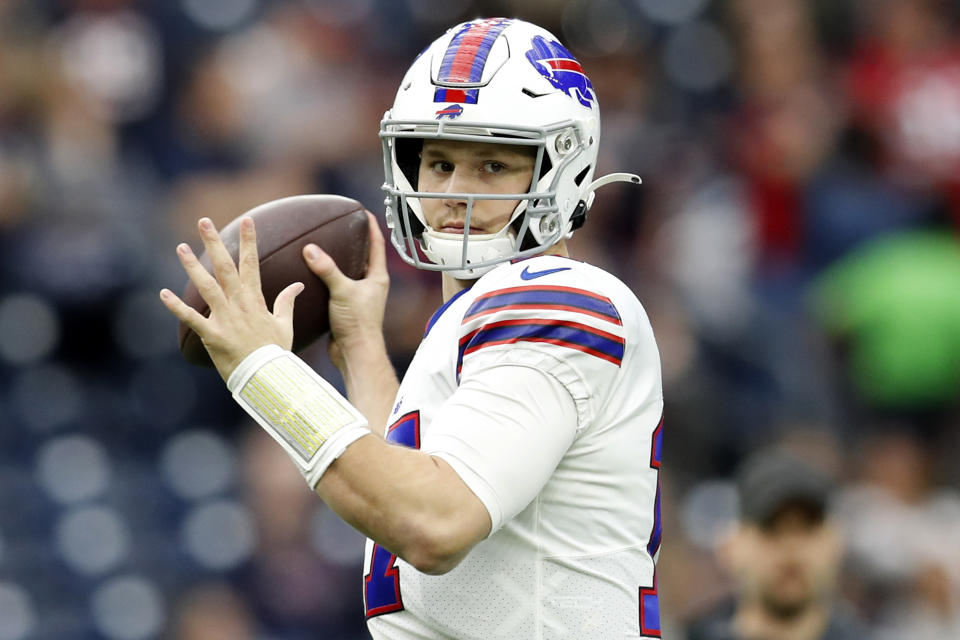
(336, 224)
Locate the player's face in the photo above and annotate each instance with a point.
(791, 563)
(449, 166)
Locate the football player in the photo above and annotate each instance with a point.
(510, 488)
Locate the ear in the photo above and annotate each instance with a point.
(833, 544)
(731, 547)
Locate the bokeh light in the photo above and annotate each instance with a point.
(127, 608)
(219, 535)
(93, 540)
(198, 464)
(17, 613)
(219, 15)
(29, 328)
(73, 468)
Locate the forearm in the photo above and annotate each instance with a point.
(411, 503)
(370, 379)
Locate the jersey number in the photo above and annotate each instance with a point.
(381, 587)
(649, 602)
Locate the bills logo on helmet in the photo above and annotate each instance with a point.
(453, 111)
(557, 64)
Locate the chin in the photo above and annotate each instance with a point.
(786, 607)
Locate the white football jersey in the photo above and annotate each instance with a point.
(540, 386)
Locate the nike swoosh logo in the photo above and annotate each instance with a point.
(526, 274)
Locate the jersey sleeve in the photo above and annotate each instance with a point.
(504, 432)
(564, 328)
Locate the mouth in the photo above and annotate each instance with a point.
(456, 227)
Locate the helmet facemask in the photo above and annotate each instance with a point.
(534, 225)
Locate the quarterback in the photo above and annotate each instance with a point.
(509, 484)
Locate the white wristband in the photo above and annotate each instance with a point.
(299, 409)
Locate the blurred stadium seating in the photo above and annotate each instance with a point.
(780, 142)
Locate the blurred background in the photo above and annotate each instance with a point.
(795, 243)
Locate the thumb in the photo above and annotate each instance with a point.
(283, 305)
(323, 266)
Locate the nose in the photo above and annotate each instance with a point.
(458, 182)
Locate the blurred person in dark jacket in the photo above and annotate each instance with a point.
(784, 556)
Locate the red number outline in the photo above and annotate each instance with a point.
(391, 572)
(656, 536)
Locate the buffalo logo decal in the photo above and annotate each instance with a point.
(453, 111)
(557, 64)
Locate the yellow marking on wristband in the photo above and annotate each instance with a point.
(321, 398)
(271, 408)
(302, 411)
(288, 417)
(256, 398)
(277, 411)
(341, 417)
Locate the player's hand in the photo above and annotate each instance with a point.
(356, 306)
(239, 321)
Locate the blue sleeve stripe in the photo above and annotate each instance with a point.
(439, 312)
(571, 335)
(656, 536)
(545, 297)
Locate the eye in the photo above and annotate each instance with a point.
(442, 166)
(494, 167)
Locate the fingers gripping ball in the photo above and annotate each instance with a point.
(336, 224)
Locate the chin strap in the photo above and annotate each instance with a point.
(447, 249)
(579, 215)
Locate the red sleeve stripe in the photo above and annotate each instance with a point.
(534, 306)
(545, 297)
(571, 335)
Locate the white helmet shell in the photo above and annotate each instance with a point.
(495, 80)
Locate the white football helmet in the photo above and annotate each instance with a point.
(495, 80)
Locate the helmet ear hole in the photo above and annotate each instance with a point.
(545, 166)
(578, 179)
(579, 215)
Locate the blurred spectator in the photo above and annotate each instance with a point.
(913, 591)
(905, 93)
(212, 612)
(785, 557)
